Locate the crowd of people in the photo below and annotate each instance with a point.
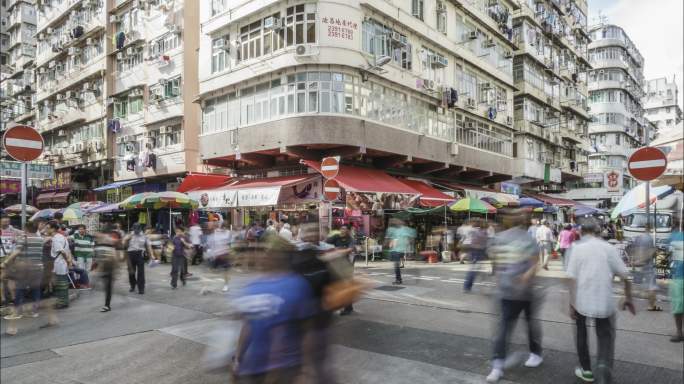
(303, 277)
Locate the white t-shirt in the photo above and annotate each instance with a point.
(544, 233)
(592, 264)
(285, 234)
(59, 243)
(195, 234)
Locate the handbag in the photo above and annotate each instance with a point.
(342, 293)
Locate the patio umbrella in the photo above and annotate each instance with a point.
(169, 199)
(86, 206)
(76, 210)
(16, 209)
(134, 201)
(105, 208)
(472, 205)
(44, 214)
(636, 198)
(585, 210)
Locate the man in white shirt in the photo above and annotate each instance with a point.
(195, 234)
(545, 242)
(285, 232)
(592, 265)
(59, 251)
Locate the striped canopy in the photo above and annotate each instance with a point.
(472, 205)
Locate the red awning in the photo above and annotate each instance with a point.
(198, 181)
(557, 201)
(45, 198)
(60, 197)
(429, 196)
(280, 181)
(355, 179)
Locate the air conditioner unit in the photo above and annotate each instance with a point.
(59, 67)
(509, 120)
(90, 41)
(470, 103)
(42, 70)
(428, 84)
(120, 140)
(59, 97)
(119, 56)
(70, 94)
(173, 28)
(273, 23)
(129, 51)
(164, 129)
(303, 50)
(470, 125)
(114, 19)
(79, 147)
(163, 81)
(486, 85)
(61, 132)
(86, 86)
(41, 36)
(149, 134)
(136, 92)
(471, 35)
(49, 31)
(439, 61)
(488, 43)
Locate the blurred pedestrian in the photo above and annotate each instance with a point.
(195, 236)
(516, 257)
(532, 230)
(181, 245)
(398, 238)
(642, 252)
(545, 242)
(285, 232)
(565, 239)
(218, 242)
(478, 244)
(108, 255)
(592, 266)
(84, 249)
(8, 241)
(465, 239)
(61, 256)
(136, 244)
(275, 308)
(677, 281)
(343, 241)
(25, 264)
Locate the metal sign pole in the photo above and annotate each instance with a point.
(24, 183)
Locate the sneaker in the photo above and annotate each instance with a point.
(105, 309)
(225, 288)
(495, 375)
(13, 316)
(584, 375)
(397, 282)
(533, 361)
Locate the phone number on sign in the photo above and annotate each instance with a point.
(340, 32)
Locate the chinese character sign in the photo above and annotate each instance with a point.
(61, 180)
(340, 26)
(8, 186)
(613, 181)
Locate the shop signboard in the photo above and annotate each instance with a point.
(510, 188)
(596, 177)
(377, 202)
(258, 197)
(340, 25)
(226, 198)
(12, 170)
(60, 181)
(9, 186)
(613, 180)
(306, 191)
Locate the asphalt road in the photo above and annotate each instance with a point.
(427, 331)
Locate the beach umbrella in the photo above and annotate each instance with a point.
(134, 201)
(472, 205)
(636, 198)
(16, 209)
(44, 214)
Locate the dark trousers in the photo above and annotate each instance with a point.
(32, 284)
(82, 276)
(475, 256)
(136, 274)
(179, 265)
(510, 311)
(199, 253)
(605, 335)
(396, 259)
(108, 269)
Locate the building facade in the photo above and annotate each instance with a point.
(551, 112)
(17, 40)
(115, 83)
(660, 103)
(424, 88)
(617, 124)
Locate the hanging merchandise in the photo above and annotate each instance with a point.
(454, 97)
(77, 32)
(151, 161)
(491, 113)
(114, 125)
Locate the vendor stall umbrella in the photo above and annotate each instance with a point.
(76, 211)
(44, 214)
(636, 198)
(134, 201)
(469, 205)
(171, 200)
(16, 209)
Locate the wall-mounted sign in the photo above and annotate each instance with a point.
(595, 177)
(61, 180)
(340, 26)
(10, 186)
(613, 181)
(12, 169)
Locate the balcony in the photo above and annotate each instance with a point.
(50, 15)
(89, 30)
(525, 88)
(478, 11)
(17, 18)
(67, 80)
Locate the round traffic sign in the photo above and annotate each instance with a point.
(23, 143)
(330, 166)
(647, 163)
(332, 190)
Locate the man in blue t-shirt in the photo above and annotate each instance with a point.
(275, 308)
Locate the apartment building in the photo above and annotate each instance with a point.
(617, 124)
(660, 103)
(422, 87)
(17, 52)
(115, 82)
(550, 107)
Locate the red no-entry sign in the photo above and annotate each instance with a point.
(330, 166)
(23, 143)
(331, 190)
(647, 163)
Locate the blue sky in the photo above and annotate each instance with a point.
(657, 29)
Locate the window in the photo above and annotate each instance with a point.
(121, 108)
(300, 24)
(173, 135)
(219, 54)
(164, 44)
(135, 104)
(218, 6)
(172, 88)
(417, 8)
(441, 17)
(129, 60)
(381, 40)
